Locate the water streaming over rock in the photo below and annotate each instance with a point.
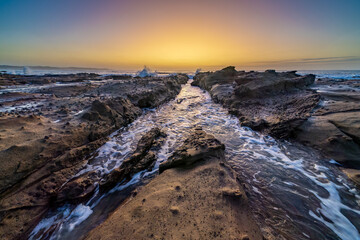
(293, 193)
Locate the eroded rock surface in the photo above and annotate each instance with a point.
(323, 114)
(143, 158)
(48, 131)
(270, 102)
(202, 201)
(334, 127)
(81, 187)
(197, 147)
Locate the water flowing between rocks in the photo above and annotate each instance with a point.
(293, 193)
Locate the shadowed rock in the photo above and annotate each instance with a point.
(83, 186)
(143, 158)
(119, 111)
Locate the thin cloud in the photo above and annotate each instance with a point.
(313, 60)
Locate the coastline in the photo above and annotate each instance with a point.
(78, 117)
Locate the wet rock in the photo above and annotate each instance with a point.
(78, 189)
(198, 147)
(335, 134)
(81, 187)
(145, 92)
(110, 114)
(262, 86)
(119, 111)
(143, 158)
(161, 91)
(334, 127)
(270, 102)
(185, 204)
(34, 176)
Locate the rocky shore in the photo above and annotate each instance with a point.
(50, 129)
(334, 126)
(43, 146)
(13, 79)
(196, 196)
(323, 114)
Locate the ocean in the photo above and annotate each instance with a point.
(336, 74)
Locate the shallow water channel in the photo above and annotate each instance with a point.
(293, 193)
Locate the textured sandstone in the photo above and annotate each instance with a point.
(45, 146)
(270, 102)
(202, 201)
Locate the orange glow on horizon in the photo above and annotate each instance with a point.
(182, 35)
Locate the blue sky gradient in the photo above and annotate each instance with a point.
(318, 34)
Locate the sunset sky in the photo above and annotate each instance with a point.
(181, 34)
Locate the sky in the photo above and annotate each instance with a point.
(186, 34)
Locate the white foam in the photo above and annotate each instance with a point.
(256, 190)
(176, 120)
(334, 162)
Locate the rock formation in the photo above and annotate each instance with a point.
(81, 187)
(45, 146)
(282, 105)
(270, 102)
(196, 196)
(334, 127)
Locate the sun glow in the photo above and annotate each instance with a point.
(175, 48)
(177, 34)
